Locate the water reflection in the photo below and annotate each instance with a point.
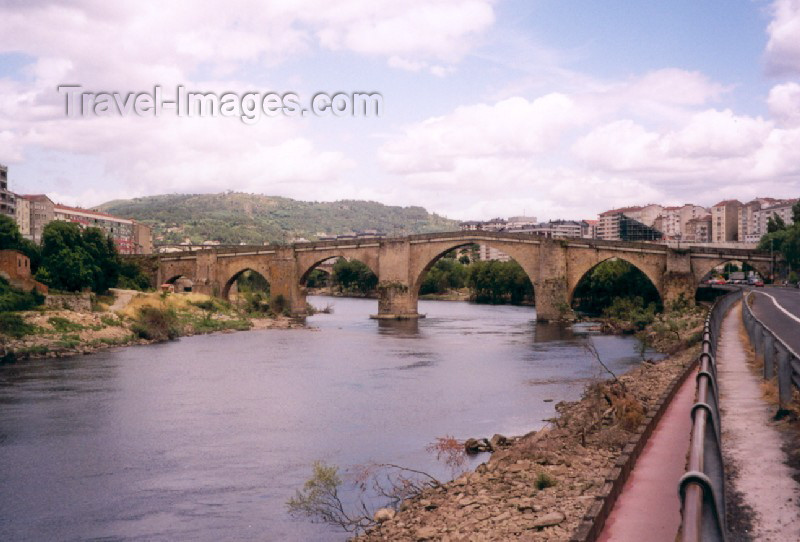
(408, 329)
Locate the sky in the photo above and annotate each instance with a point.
(550, 108)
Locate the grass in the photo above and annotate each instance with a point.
(63, 325)
(111, 321)
(13, 325)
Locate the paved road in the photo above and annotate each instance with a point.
(779, 309)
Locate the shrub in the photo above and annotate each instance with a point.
(632, 310)
(155, 324)
(111, 321)
(544, 480)
(63, 325)
(12, 299)
(13, 325)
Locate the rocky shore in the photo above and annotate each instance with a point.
(543, 484)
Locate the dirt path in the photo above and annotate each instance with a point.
(752, 443)
(122, 298)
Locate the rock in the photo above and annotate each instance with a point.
(548, 520)
(497, 441)
(384, 514)
(425, 533)
(474, 446)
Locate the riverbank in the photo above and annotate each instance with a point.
(544, 484)
(52, 333)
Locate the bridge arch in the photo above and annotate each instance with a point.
(315, 263)
(703, 268)
(651, 266)
(229, 283)
(429, 255)
(572, 293)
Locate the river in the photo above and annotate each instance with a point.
(206, 438)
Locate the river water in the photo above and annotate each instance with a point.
(207, 437)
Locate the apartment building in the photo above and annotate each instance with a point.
(782, 209)
(7, 197)
(608, 226)
(23, 217)
(40, 212)
(725, 221)
(142, 239)
(750, 226)
(121, 230)
(698, 230)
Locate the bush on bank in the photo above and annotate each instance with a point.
(156, 324)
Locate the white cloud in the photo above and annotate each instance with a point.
(514, 127)
(651, 138)
(784, 103)
(783, 47)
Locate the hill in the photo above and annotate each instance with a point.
(233, 218)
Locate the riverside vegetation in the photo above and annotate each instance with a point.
(71, 260)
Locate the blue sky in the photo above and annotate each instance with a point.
(558, 108)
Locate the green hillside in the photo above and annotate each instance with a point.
(233, 218)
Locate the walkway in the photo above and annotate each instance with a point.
(648, 507)
(751, 442)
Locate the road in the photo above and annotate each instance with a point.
(779, 309)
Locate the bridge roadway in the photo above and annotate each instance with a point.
(554, 266)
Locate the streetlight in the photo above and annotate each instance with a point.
(771, 260)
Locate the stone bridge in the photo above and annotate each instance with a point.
(555, 266)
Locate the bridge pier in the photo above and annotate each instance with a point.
(550, 288)
(678, 284)
(396, 301)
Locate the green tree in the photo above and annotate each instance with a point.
(11, 239)
(74, 259)
(775, 223)
(610, 280)
(446, 274)
(354, 276)
(499, 282)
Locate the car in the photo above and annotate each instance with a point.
(758, 283)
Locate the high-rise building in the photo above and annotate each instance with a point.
(698, 230)
(725, 221)
(23, 217)
(7, 197)
(782, 209)
(41, 211)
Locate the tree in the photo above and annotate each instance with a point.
(74, 259)
(354, 276)
(775, 223)
(11, 239)
(498, 282)
(610, 280)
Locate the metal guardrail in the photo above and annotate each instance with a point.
(702, 488)
(779, 359)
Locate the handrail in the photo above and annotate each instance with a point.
(779, 358)
(702, 488)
